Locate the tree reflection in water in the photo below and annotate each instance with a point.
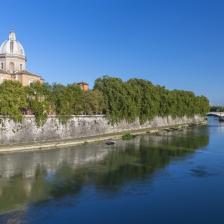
(34, 177)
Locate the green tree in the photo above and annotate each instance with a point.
(39, 101)
(12, 99)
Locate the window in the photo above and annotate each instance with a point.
(11, 47)
(11, 67)
(21, 67)
(2, 66)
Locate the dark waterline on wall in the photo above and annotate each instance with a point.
(173, 177)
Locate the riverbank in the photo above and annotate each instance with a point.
(47, 145)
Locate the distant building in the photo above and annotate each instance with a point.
(13, 62)
(84, 86)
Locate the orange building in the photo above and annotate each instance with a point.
(84, 86)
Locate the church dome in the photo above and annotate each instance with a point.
(12, 46)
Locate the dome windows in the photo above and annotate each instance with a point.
(12, 46)
(12, 55)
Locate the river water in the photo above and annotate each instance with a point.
(175, 177)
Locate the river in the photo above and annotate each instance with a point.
(172, 177)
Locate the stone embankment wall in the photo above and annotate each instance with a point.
(76, 127)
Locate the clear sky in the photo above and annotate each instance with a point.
(175, 43)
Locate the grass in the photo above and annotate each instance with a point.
(128, 136)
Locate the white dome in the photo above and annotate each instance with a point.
(12, 46)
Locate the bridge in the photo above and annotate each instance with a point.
(216, 114)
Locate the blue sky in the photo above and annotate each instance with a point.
(175, 43)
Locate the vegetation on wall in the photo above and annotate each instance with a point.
(118, 100)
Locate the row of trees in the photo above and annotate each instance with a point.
(118, 100)
(217, 108)
(140, 98)
(44, 99)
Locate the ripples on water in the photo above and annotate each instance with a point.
(152, 179)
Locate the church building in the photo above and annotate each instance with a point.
(13, 62)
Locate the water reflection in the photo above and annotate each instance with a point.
(33, 177)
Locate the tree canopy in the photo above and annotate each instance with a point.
(138, 98)
(117, 99)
